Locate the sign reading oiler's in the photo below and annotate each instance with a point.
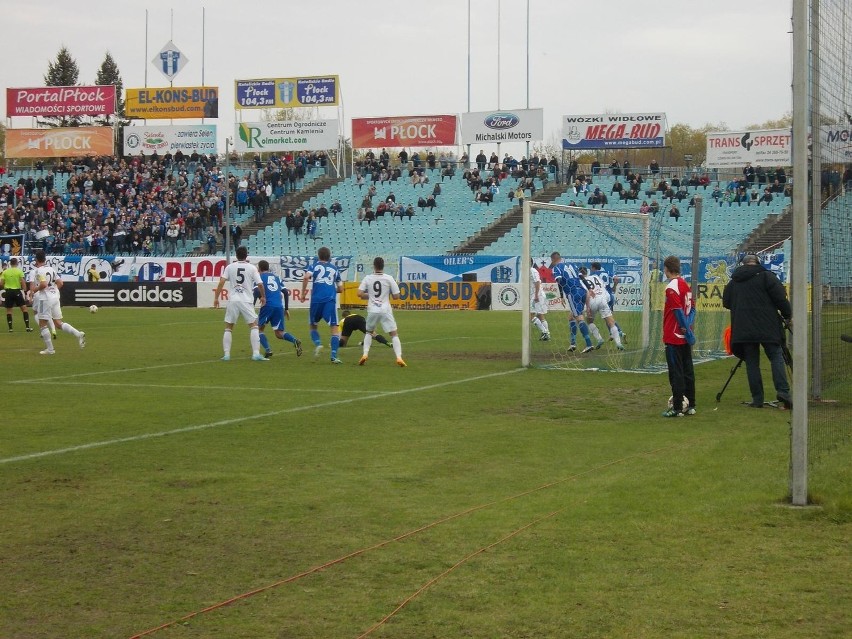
(289, 135)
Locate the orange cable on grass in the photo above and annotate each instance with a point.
(435, 580)
(387, 542)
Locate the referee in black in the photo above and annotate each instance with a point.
(12, 281)
(352, 322)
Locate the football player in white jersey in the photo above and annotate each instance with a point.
(378, 288)
(538, 303)
(44, 294)
(242, 278)
(599, 305)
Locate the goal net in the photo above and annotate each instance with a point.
(627, 246)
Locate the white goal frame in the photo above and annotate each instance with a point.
(526, 254)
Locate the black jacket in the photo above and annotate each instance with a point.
(755, 298)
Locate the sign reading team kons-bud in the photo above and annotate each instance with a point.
(281, 93)
(188, 139)
(289, 135)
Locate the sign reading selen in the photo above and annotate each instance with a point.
(59, 143)
(503, 126)
(88, 100)
(613, 131)
(418, 130)
(771, 147)
(281, 93)
(289, 135)
(147, 140)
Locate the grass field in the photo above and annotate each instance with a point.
(144, 481)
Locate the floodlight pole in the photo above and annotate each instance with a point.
(227, 200)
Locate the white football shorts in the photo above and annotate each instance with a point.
(385, 318)
(237, 309)
(599, 304)
(47, 308)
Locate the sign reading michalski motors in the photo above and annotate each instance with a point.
(526, 125)
(160, 294)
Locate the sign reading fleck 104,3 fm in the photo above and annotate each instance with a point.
(282, 93)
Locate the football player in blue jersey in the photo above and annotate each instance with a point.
(275, 311)
(571, 288)
(326, 285)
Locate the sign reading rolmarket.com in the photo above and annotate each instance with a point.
(147, 140)
(83, 100)
(289, 135)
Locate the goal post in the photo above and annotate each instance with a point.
(589, 235)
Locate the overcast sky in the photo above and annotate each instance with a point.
(726, 61)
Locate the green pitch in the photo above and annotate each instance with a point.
(144, 481)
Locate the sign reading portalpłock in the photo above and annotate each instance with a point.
(58, 101)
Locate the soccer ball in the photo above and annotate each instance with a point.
(683, 408)
(93, 309)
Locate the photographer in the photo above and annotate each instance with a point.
(758, 302)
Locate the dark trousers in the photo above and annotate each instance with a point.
(681, 373)
(751, 357)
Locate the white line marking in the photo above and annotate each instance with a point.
(236, 420)
(201, 387)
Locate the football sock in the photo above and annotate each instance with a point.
(573, 325)
(254, 338)
(226, 342)
(616, 336)
(263, 341)
(546, 327)
(315, 338)
(45, 336)
(397, 346)
(381, 340)
(335, 344)
(67, 328)
(584, 331)
(537, 323)
(595, 332)
(27, 319)
(368, 340)
(9, 321)
(289, 337)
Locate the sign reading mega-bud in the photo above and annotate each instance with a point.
(147, 140)
(613, 131)
(287, 135)
(732, 150)
(88, 100)
(525, 125)
(416, 130)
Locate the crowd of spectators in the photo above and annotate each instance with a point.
(141, 205)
